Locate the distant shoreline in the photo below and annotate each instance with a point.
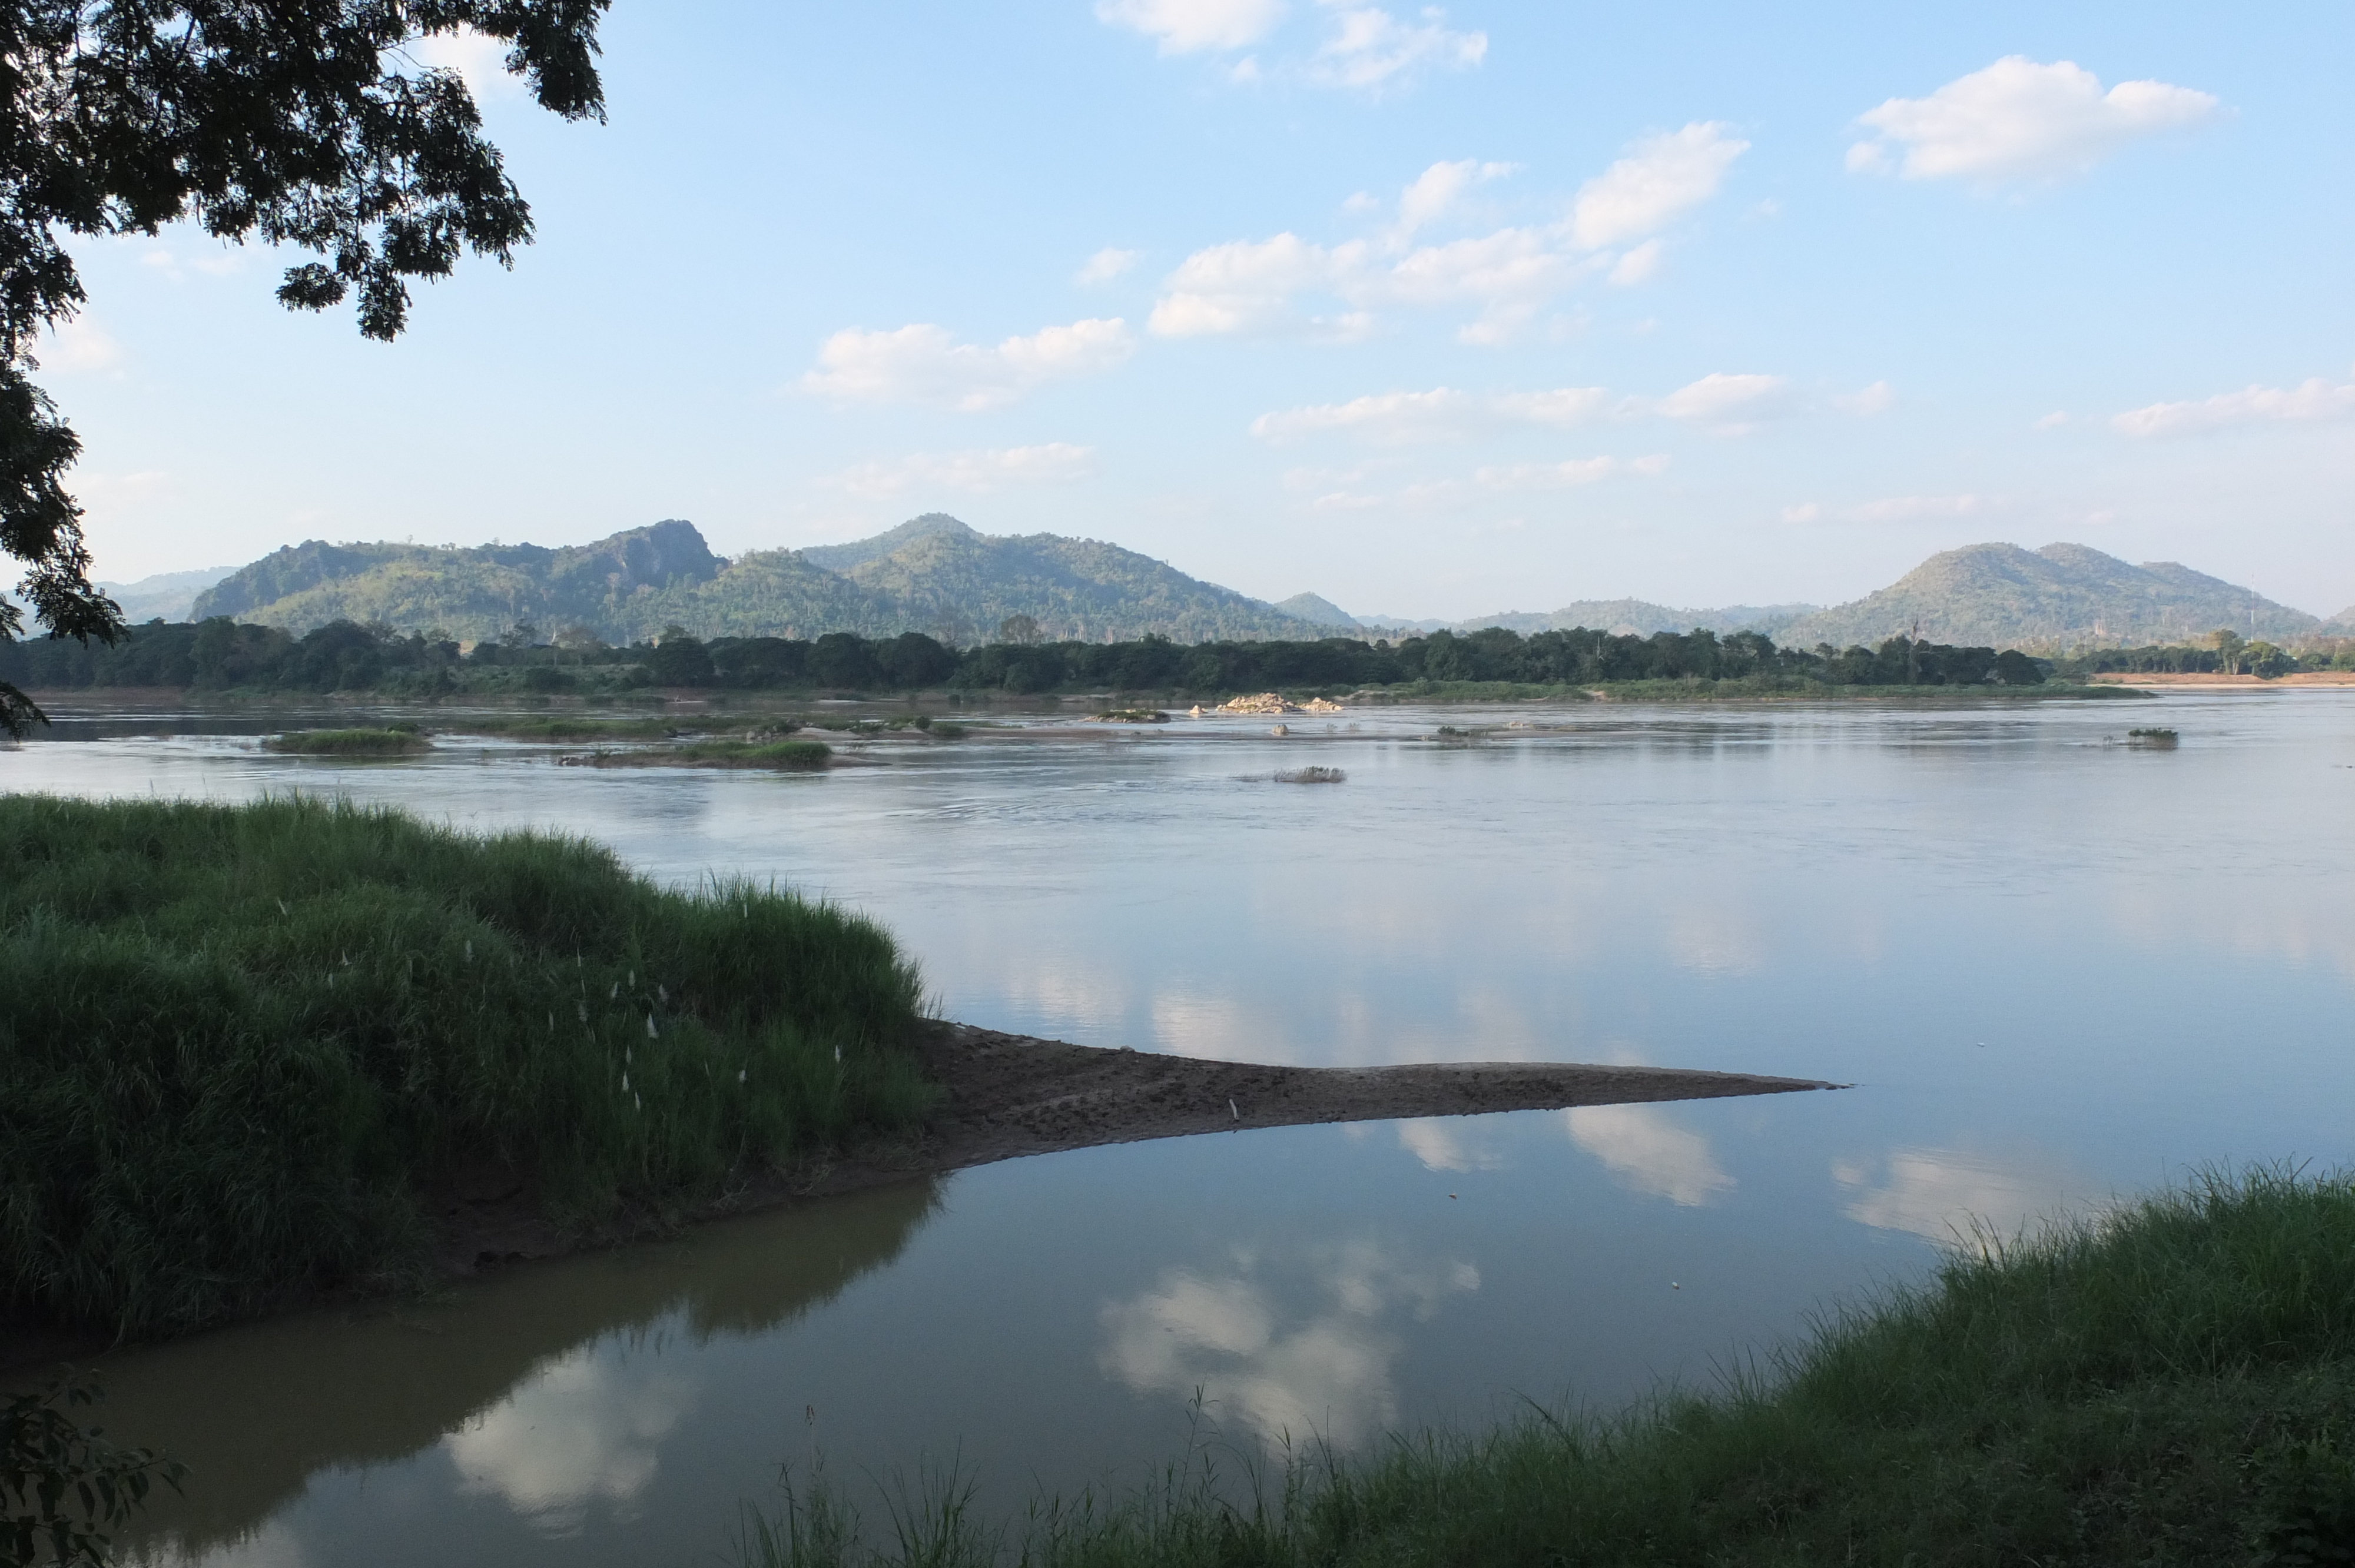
(701, 702)
(2198, 680)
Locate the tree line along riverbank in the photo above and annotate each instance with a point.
(221, 656)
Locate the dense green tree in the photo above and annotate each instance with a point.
(302, 123)
(679, 660)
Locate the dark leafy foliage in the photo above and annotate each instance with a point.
(65, 1486)
(301, 124)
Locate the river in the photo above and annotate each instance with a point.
(2056, 968)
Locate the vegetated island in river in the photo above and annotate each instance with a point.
(264, 1056)
(240, 661)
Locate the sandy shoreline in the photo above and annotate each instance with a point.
(1010, 1096)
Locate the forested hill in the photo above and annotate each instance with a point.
(932, 575)
(2056, 597)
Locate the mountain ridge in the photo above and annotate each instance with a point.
(2000, 595)
(935, 574)
(932, 574)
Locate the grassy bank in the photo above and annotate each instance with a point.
(244, 1043)
(791, 755)
(1742, 689)
(392, 742)
(2172, 1384)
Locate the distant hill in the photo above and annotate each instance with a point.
(935, 575)
(1317, 611)
(2004, 597)
(932, 574)
(1641, 617)
(167, 596)
(2339, 625)
(468, 592)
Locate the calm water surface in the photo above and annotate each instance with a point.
(2057, 970)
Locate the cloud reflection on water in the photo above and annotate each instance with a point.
(1445, 1143)
(1327, 1371)
(1645, 1151)
(1953, 1195)
(587, 1428)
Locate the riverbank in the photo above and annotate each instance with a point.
(2165, 1384)
(1003, 1096)
(2200, 682)
(263, 1056)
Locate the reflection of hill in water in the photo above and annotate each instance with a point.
(255, 1411)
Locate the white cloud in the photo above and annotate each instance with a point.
(1730, 404)
(1508, 275)
(1645, 1150)
(2311, 401)
(1440, 413)
(1877, 398)
(1638, 265)
(922, 363)
(1568, 475)
(2019, 120)
(1247, 285)
(2053, 421)
(1107, 264)
(1187, 26)
(1369, 48)
(480, 61)
(1436, 191)
(1387, 415)
(1660, 178)
(1561, 407)
(79, 346)
(974, 472)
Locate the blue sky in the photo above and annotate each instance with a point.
(1432, 312)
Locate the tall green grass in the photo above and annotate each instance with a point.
(395, 742)
(2170, 1384)
(242, 1044)
(791, 756)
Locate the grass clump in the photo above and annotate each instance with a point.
(1311, 776)
(2164, 739)
(2170, 1383)
(243, 1043)
(570, 729)
(394, 740)
(789, 756)
(1130, 715)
